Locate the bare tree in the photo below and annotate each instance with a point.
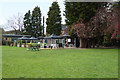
(15, 22)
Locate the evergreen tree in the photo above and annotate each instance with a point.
(43, 25)
(54, 19)
(75, 11)
(27, 24)
(36, 22)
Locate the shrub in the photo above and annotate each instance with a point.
(106, 44)
(23, 41)
(7, 42)
(3, 42)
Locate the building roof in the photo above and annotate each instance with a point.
(13, 32)
(13, 35)
(53, 36)
(33, 38)
(68, 36)
(23, 38)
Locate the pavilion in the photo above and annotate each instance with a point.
(50, 41)
(58, 41)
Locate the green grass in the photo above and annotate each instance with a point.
(59, 63)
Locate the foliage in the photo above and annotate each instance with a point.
(23, 41)
(27, 23)
(4, 42)
(80, 30)
(113, 20)
(43, 26)
(36, 22)
(32, 23)
(74, 11)
(106, 44)
(115, 42)
(105, 22)
(60, 63)
(54, 19)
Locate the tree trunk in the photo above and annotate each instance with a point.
(83, 43)
(93, 43)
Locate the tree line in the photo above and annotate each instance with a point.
(33, 25)
(93, 23)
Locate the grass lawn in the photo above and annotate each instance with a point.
(59, 63)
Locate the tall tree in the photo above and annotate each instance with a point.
(105, 22)
(54, 19)
(74, 11)
(27, 23)
(36, 22)
(114, 22)
(43, 25)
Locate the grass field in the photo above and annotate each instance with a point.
(59, 63)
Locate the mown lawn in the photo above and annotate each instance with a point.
(59, 63)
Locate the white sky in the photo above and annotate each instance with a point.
(9, 8)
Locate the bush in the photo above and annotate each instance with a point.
(7, 42)
(11, 42)
(115, 42)
(106, 44)
(23, 41)
(3, 42)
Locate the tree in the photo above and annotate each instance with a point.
(15, 22)
(104, 22)
(43, 25)
(77, 11)
(113, 20)
(54, 19)
(28, 23)
(36, 22)
(74, 11)
(83, 31)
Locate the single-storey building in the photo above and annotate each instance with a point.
(13, 37)
(50, 41)
(58, 41)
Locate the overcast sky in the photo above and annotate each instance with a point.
(9, 8)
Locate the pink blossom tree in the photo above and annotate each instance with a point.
(104, 22)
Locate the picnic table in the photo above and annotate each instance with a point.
(34, 46)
